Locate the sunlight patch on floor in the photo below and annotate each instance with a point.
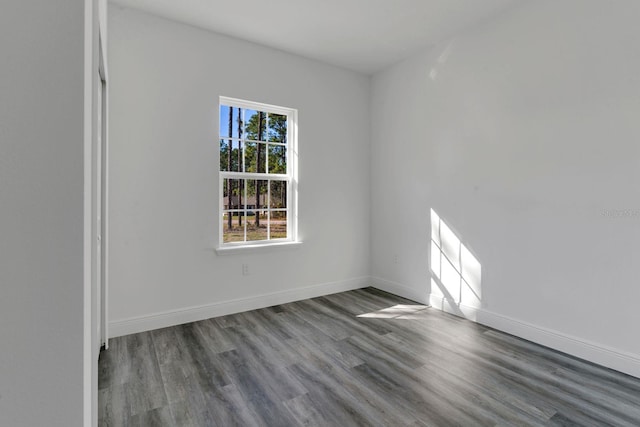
(400, 311)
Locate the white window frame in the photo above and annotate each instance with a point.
(291, 177)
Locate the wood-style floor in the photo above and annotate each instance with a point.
(359, 358)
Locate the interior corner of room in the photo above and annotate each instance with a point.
(491, 174)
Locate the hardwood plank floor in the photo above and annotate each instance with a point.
(358, 358)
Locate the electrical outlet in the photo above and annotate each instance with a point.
(245, 269)
(395, 258)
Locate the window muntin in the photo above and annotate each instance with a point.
(257, 182)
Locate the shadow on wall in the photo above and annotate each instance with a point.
(455, 272)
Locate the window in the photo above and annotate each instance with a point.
(257, 173)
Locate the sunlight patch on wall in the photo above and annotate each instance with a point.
(456, 271)
(442, 59)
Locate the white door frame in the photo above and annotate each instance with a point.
(104, 182)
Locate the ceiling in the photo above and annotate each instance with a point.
(362, 35)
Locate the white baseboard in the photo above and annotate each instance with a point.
(618, 360)
(578, 347)
(593, 352)
(466, 311)
(192, 314)
(400, 290)
(612, 358)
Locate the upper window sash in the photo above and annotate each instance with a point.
(247, 105)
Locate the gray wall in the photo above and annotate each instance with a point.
(522, 135)
(41, 212)
(165, 82)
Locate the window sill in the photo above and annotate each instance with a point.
(267, 247)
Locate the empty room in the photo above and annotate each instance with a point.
(319, 213)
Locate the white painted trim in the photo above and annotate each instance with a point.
(578, 347)
(608, 357)
(400, 290)
(104, 67)
(597, 353)
(257, 248)
(88, 351)
(291, 177)
(254, 105)
(201, 312)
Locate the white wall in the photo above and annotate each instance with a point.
(41, 213)
(165, 82)
(522, 134)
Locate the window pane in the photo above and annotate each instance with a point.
(256, 225)
(237, 153)
(241, 194)
(230, 122)
(278, 224)
(224, 121)
(256, 194)
(277, 159)
(261, 158)
(230, 155)
(278, 198)
(254, 157)
(255, 125)
(225, 150)
(238, 124)
(233, 193)
(250, 157)
(277, 128)
(231, 231)
(263, 191)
